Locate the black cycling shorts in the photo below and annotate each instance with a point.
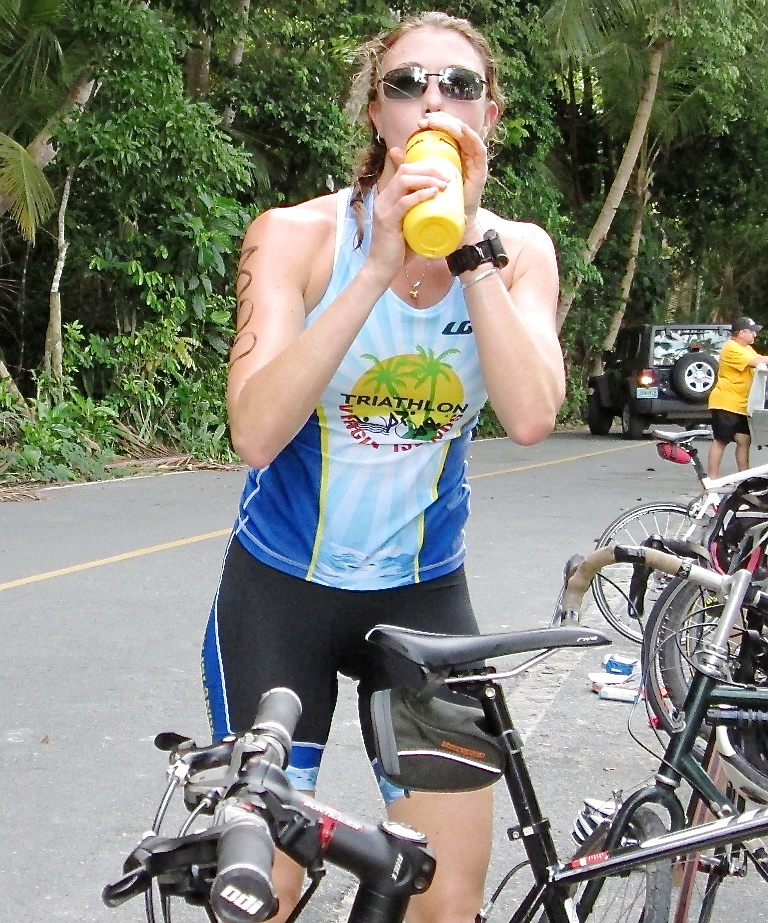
(268, 629)
(726, 424)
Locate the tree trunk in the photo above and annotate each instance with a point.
(626, 282)
(41, 148)
(54, 347)
(242, 7)
(604, 220)
(199, 67)
(10, 384)
(643, 184)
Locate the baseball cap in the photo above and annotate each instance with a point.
(745, 323)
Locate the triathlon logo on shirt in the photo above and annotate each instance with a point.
(413, 398)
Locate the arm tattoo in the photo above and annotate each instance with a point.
(245, 333)
(243, 273)
(241, 334)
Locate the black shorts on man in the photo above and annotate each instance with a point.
(726, 425)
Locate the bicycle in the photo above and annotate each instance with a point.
(684, 616)
(734, 709)
(626, 596)
(621, 871)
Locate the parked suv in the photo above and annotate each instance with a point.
(656, 373)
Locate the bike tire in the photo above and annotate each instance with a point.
(642, 895)
(676, 632)
(678, 624)
(611, 589)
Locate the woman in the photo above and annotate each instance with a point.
(357, 374)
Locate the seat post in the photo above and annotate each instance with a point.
(533, 828)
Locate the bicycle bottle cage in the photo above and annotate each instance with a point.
(674, 453)
(434, 744)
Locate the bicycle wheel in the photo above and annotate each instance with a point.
(642, 895)
(611, 590)
(677, 631)
(679, 624)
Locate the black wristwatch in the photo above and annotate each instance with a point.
(489, 250)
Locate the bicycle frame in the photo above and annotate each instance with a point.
(309, 832)
(712, 488)
(552, 878)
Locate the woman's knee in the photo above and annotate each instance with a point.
(288, 882)
(459, 831)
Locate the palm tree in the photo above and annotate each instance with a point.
(386, 374)
(37, 80)
(432, 368)
(24, 190)
(710, 37)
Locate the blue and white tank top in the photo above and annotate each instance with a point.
(372, 492)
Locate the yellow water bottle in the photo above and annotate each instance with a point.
(435, 227)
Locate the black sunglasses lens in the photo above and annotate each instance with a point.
(405, 83)
(459, 83)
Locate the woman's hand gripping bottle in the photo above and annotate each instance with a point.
(435, 227)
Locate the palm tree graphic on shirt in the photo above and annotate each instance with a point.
(420, 392)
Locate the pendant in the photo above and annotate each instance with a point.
(414, 291)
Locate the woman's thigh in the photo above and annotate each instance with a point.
(268, 629)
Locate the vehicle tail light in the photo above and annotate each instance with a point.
(674, 453)
(647, 377)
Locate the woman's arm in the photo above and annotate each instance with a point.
(279, 368)
(513, 320)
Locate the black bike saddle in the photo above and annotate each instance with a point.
(435, 651)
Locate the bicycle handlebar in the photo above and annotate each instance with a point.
(228, 866)
(242, 889)
(581, 578)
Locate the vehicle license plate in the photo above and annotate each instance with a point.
(646, 392)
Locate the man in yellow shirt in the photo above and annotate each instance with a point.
(728, 399)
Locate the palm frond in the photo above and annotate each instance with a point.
(579, 28)
(31, 196)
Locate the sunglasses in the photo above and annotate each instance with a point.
(454, 82)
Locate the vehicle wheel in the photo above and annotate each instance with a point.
(642, 895)
(694, 376)
(599, 418)
(611, 589)
(632, 426)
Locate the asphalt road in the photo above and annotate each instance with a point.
(104, 593)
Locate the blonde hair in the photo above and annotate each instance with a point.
(366, 82)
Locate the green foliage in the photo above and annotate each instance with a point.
(169, 170)
(69, 437)
(158, 381)
(574, 406)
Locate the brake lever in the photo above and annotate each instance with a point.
(179, 862)
(127, 886)
(168, 741)
(136, 877)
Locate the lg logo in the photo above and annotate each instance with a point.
(454, 328)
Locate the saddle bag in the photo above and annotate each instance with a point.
(432, 743)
